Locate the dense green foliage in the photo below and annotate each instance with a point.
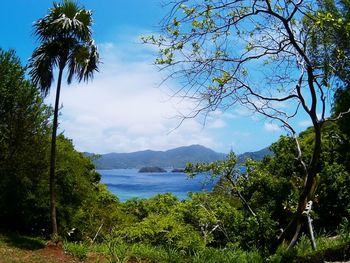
(330, 39)
(24, 155)
(23, 148)
(238, 221)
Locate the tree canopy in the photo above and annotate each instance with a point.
(262, 55)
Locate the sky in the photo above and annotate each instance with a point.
(124, 108)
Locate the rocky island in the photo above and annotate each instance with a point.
(178, 170)
(152, 169)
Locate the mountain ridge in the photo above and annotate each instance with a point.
(172, 158)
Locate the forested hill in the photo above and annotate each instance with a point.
(177, 157)
(258, 155)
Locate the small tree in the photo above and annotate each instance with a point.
(257, 54)
(24, 133)
(65, 40)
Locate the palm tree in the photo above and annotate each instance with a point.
(65, 38)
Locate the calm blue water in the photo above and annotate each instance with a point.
(128, 183)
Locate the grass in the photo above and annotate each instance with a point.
(118, 252)
(22, 242)
(328, 249)
(18, 248)
(78, 250)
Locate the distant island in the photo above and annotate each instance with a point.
(177, 157)
(152, 169)
(178, 170)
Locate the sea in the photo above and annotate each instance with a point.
(129, 183)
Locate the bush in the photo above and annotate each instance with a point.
(78, 250)
(163, 230)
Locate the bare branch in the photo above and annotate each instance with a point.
(228, 176)
(339, 116)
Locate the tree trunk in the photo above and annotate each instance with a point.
(292, 231)
(53, 159)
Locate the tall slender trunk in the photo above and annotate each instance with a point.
(53, 158)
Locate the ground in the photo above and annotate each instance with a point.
(14, 251)
(16, 248)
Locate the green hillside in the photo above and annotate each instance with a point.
(174, 158)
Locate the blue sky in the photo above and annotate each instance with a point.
(123, 109)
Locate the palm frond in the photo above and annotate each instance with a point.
(66, 20)
(83, 62)
(41, 65)
(66, 40)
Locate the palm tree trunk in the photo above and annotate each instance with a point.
(53, 159)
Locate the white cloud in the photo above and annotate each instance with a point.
(271, 127)
(217, 124)
(305, 123)
(243, 112)
(122, 110)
